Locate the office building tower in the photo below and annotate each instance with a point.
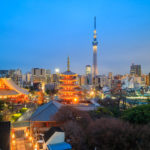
(88, 69)
(135, 70)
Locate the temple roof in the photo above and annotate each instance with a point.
(68, 73)
(46, 111)
(14, 89)
(7, 92)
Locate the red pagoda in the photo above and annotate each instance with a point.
(69, 90)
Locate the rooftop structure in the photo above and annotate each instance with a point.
(10, 91)
(48, 110)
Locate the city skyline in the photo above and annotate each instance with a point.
(43, 34)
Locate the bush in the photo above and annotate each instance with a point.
(1, 117)
(138, 115)
(23, 110)
(16, 116)
(112, 105)
(100, 112)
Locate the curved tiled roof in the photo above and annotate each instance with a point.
(8, 92)
(13, 88)
(46, 111)
(69, 73)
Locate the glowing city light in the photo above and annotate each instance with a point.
(92, 93)
(13, 142)
(30, 138)
(13, 135)
(57, 70)
(75, 99)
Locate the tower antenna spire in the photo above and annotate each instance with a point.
(68, 64)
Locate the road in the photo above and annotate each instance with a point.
(22, 142)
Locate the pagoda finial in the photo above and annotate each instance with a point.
(95, 23)
(68, 64)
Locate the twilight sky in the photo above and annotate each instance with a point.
(42, 33)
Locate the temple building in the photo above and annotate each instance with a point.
(9, 91)
(69, 91)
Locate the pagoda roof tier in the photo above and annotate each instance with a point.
(64, 80)
(62, 92)
(70, 93)
(68, 73)
(67, 97)
(69, 90)
(68, 85)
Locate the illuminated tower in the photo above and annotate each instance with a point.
(68, 91)
(95, 43)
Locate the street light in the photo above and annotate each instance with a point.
(26, 134)
(13, 142)
(30, 138)
(92, 93)
(13, 136)
(35, 146)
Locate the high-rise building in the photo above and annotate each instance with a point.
(148, 80)
(95, 43)
(110, 75)
(88, 69)
(135, 70)
(3, 73)
(27, 78)
(81, 80)
(40, 75)
(16, 76)
(88, 77)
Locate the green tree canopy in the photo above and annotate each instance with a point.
(100, 112)
(138, 115)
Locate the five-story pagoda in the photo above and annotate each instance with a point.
(68, 89)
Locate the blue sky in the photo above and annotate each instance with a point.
(43, 33)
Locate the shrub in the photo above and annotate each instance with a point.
(138, 115)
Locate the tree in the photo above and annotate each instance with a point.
(51, 92)
(113, 134)
(75, 135)
(68, 113)
(112, 105)
(75, 123)
(1, 117)
(1, 105)
(139, 114)
(100, 112)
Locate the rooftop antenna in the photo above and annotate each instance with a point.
(68, 64)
